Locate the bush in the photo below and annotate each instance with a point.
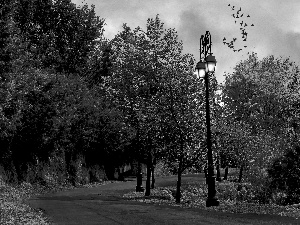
(285, 176)
(260, 184)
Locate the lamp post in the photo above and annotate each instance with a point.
(204, 67)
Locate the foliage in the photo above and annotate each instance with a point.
(45, 113)
(58, 32)
(262, 93)
(4, 37)
(153, 84)
(149, 71)
(284, 174)
(259, 101)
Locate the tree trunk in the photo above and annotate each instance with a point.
(226, 173)
(153, 168)
(139, 180)
(178, 193)
(241, 174)
(218, 171)
(153, 178)
(206, 174)
(121, 174)
(148, 181)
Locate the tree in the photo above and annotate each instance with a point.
(181, 109)
(59, 33)
(154, 86)
(259, 95)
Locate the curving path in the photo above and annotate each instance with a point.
(104, 205)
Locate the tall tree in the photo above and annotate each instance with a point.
(154, 85)
(261, 94)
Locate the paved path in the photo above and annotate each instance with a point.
(104, 205)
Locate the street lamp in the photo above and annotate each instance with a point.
(203, 69)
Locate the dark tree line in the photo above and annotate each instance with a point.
(73, 102)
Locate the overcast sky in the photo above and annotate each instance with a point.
(276, 27)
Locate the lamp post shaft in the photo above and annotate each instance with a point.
(205, 49)
(211, 180)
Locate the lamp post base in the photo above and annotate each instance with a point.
(212, 199)
(212, 202)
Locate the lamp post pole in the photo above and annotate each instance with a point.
(204, 68)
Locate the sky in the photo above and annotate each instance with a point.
(276, 29)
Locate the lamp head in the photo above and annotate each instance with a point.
(200, 69)
(211, 63)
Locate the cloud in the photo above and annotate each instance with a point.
(276, 29)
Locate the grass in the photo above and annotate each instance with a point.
(232, 199)
(13, 209)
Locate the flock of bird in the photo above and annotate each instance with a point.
(238, 15)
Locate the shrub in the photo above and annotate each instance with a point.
(260, 185)
(285, 176)
(227, 191)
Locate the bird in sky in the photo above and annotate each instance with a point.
(238, 14)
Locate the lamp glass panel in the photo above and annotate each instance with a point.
(211, 66)
(201, 73)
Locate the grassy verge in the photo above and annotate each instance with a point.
(13, 209)
(232, 199)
